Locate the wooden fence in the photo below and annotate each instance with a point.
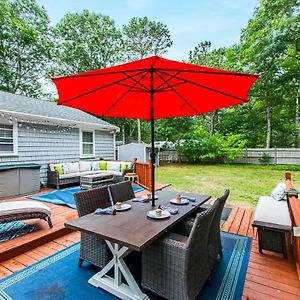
(273, 156)
(294, 208)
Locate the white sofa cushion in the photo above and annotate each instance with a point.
(129, 165)
(95, 166)
(73, 167)
(85, 166)
(113, 166)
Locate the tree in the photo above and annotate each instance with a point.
(143, 38)
(269, 43)
(205, 56)
(25, 46)
(86, 41)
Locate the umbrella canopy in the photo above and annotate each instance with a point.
(153, 88)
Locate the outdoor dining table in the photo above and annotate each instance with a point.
(127, 231)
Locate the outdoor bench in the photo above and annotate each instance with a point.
(273, 223)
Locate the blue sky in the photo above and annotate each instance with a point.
(189, 21)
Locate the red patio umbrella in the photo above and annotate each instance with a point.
(153, 88)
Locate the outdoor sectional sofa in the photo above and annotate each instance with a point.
(67, 173)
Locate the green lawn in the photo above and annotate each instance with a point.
(246, 182)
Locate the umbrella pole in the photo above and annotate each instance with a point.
(152, 157)
(152, 136)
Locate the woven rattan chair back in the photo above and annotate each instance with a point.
(121, 191)
(214, 239)
(197, 265)
(88, 201)
(92, 248)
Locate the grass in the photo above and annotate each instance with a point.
(246, 182)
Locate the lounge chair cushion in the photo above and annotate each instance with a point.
(272, 214)
(19, 207)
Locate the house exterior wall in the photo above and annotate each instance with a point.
(43, 146)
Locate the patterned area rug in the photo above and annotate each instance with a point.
(65, 196)
(59, 277)
(11, 230)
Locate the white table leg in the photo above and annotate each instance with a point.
(114, 285)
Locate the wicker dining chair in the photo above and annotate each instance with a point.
(214, 238)
(176, 266)
(121, 191)
(92, 248)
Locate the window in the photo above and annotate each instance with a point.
(7, 139)
(87, 143)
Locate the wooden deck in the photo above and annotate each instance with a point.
(269, 275)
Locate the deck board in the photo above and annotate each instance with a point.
(269, 275)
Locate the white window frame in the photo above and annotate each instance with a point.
(81, 131)
(15, 140)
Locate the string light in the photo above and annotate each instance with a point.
(59, 128)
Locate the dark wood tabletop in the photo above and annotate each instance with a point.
(132, 228)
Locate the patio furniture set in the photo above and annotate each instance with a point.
(169, 247)
(89, 174)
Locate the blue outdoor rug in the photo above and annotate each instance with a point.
(65, 196)
(59, 277)
(11, 230)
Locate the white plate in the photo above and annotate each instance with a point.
(152, 214)
(182, 202)
(124, 206)
(145, 197)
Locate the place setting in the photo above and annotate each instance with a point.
(162, 212)
(119, 206)
(182, 200)
(145, 198)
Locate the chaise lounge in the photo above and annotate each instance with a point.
(24, 210)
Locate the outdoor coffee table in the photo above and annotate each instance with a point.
(127, 231)
(95, 180)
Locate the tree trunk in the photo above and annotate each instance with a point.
(123, 135)
(213, 119)
(269, 127)
(139, 130)
(296, 143)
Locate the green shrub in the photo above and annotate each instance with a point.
(202, 147)
(265, 158)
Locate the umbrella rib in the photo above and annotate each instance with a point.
(122, 96)
(227, 73)
(102, 73)
(210, 89)
(98, 89)
(165, 81)
(180, 96)
(140, 83)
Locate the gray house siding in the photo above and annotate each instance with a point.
(39, 146)
(104, 143)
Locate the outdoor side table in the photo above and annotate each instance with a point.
(95, 180)
(132, 178)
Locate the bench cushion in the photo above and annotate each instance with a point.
(20, 207)
(272, 214)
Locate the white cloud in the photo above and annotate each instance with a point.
(137, 4)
